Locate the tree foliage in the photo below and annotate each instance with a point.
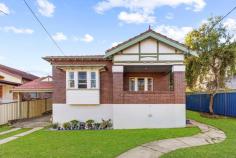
(215, 60)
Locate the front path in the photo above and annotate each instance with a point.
(208, 135)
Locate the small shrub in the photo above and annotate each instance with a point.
(89, 124)
(67, 125)
(97, 125)
(81, 125)
(74, 124)
(55, 125)
(106, 124)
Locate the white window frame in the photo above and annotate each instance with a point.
(76, 79)
(69, 79)
(93, 79)
(86, 83)
(136, 84)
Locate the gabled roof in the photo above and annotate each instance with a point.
(145, 35)
(24, 75)
(43, 84)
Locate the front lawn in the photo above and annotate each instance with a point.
(4, 128)
(226, 149)
(85, 144)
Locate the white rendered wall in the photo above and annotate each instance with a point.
(83, 96)
(125, 116)
(64, 112)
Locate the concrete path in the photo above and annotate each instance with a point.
(42, 121)
(8, 131)
(208, 135)
(3, 141)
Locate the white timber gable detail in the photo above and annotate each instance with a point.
(149, 50)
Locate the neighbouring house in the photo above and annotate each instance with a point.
(10, 78)
(139, 83)
(40, 88)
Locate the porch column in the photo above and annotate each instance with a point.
(179, 83)
(118, 74)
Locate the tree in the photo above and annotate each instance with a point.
(214, 63)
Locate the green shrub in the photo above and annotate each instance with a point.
(67, 125)
(90, 124)
(74, 124)
(55, 125)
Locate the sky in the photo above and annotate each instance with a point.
(87, 27)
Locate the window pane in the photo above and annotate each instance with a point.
(140, 84)
(93, 75)
(82, 86)
(71, 83)
(93, 83)
(132, 84)
(150, 84)
(82, 79)
(71, 75)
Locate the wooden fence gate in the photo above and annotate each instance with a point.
(23, 110)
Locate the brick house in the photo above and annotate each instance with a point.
(139, 83)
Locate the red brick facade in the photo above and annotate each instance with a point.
(114, 86)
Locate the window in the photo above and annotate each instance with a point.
(141, 84)
(82, 79)
(71, 80)
(132, 84)
(93, 80)
(149, 84)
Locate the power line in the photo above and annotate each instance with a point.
(222, 18)
(49, 35)
(3, 12)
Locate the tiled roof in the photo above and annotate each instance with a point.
(20, 73)
(79, 57)
(37, 84)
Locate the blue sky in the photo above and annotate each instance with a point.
(83, 27)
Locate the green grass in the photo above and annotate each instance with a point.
(14, 133)
(226, 149)
(85, 144)
(4, 128)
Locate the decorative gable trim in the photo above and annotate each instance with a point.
(143, 36)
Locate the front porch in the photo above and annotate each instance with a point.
(149, 84)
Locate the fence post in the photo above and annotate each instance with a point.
(45, 104)
(28, 109)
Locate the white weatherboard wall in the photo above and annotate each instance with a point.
(124, 116)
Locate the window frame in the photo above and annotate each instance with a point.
(136, 88)
(86, 80)
(71, 79)
(91, 79)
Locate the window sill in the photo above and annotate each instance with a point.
(149, 92)
(83, 89)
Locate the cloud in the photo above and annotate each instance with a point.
(13, 29)
(46, 8)
(174, 32)
(147, 7)
(115, 44)
(87, 38)
(169, 16)
(59, 36)
(4, 9)
(230, 25)
(136, 18)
